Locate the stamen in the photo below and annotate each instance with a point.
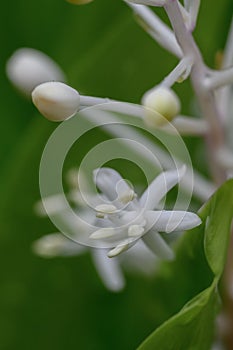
(105, 232)
(103, 209)
(136, 231)
(120, 248)
(127, 196)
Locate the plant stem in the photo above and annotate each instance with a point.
(206, 99)
(220, 78)
(156, 28)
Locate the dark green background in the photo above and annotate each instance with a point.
(61, 303)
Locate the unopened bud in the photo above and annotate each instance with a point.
(162, 105)
(28, 68)
(56, 101)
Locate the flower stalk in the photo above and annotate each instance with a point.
(207, 102)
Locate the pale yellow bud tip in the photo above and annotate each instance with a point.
(162, 105)
(79, 2)
(56, 101)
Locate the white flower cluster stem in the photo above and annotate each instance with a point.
(181, 43)
(219, 79)
(192, 7)
(156, 28)
(207, 102)
(224, 94)
(228, 52)
(179, 73)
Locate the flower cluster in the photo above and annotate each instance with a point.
(122, 219)
(115, 225)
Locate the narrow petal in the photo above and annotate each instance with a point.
(160, 186)
(169, 221)
(108, 270)
(110, 182)
(158, 246)
(51, 205)
(140, 259)
(56, 244)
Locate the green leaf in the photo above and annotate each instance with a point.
(193, 326)
(218, 213)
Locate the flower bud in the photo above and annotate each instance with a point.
(79, 2)
(28, 68)
(56, 101)
(162, 105)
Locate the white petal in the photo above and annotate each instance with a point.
(132, 218)
(157, 245)
(108, 269)
(169, 221)
(78, 228)
(56, 244)
(140, 259)
(160, 186)
(110, 182)
(51, 205)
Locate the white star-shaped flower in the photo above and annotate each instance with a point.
(58, 245)
(119, 220)
(127, 218)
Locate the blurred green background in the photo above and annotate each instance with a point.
(61, 303)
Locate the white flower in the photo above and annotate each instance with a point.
(56, 244)
(56, 101)
(125, 224)
(120, 220)
(27, 68)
